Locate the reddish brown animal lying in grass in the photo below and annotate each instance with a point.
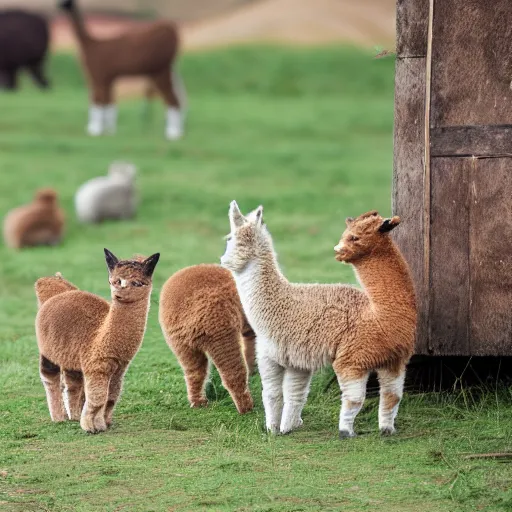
(149, 51)
(201, 315)
(38, 223)
(89, 343)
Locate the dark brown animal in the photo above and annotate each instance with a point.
(23, 45)
(38, 223)
(89, 343)
(201, 315)
(147, 51)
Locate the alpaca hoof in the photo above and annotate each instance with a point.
(273, 429)
(287, 429)
(202, 402)
(173, 133)
(93, 426)
(345, 434)
(245, 405)
(94, 131)
(387, 431)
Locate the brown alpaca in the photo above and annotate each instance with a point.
(201, 315)
(302, 327)
(88, 342)
(146, 51)
(38, 223)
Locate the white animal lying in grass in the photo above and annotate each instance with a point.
(108, 197)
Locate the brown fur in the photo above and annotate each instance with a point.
(48, 287)
(306, 326)
(149, 51)
(89, 342)
(38, 223)
(201, 315)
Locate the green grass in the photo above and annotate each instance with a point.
(307, 133)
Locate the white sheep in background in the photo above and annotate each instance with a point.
(108, 197)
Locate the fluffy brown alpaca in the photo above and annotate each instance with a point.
(201, 315)
(148, 51)
(302, 327)
(38, 223)
(89, 343)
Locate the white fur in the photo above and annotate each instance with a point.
(108, 197)
(352, 391)
(96, 123)
(295, 391)
(174, 124)
(65, 399)
(110, 119)
(389, 384)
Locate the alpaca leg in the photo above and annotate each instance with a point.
(110, 119)
(96, 395)
(174, 118)
(295, 391)
(229, 361)
(391, 391)
(9, 79)
(195, 368)
(353, 389)
(73, 393)
(50, 377)
(249, 348)
(272, 375)
(102, 96)
(37, 73)
(114, 392)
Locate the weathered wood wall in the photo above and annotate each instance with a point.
(457, 206)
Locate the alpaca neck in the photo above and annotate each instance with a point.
(127, 322)
(386, 279)
(78, 24)
(260, 282)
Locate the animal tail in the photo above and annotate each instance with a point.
(48, 287)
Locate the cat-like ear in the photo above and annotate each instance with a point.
(236, 219)
(389, 224)
(111, 260)
(150, 264)
(258, 215)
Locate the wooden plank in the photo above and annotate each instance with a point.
(411, 28)
(408, 177)
(472, 62)
(487, 140)
(491, 256)
(449, 257)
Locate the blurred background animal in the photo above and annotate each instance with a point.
(143, 51)
(38, 223)
(24, 40)
(108, 197)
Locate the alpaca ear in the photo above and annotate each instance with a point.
(111, 260)
(349, 221)
(389, 224)
(150, 264)
(236, 219)
(258, 215)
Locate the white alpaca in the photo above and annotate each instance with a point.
(302, 327)
(108, 197)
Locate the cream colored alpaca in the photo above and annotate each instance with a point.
(201, 316)
(302, 327)
(86, 343)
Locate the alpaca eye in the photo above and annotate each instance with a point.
(117, 282)
(354, 238)
(136, 283)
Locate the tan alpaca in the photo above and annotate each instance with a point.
(38, 223)
(302, 327)
(201, 315)
(142, 51)
(89, 343)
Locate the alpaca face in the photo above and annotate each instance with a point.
(363, 236)
(246, 237)
(130, 280)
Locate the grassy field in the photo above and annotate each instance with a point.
(309, 135)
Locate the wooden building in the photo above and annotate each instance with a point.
(452, 183)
